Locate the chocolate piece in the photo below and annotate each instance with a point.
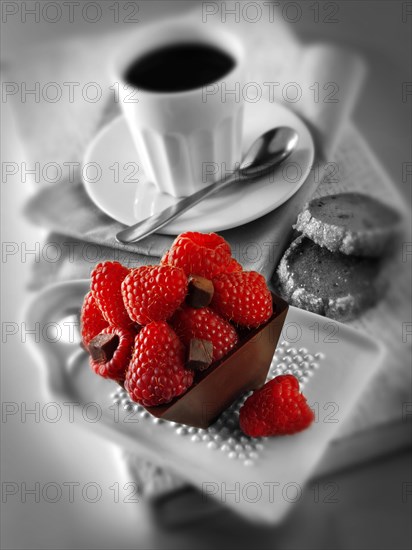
(200, 291)
(200, 354)
(245, 368)
(103, 346)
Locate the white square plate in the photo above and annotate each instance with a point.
(259, 478)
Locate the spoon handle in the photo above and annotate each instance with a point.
(146, 227)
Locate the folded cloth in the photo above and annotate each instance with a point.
(256, 245)
(66, 259)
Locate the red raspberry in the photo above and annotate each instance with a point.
(204, 254)
(91, 319)
(156, 373)
(278, 408)
(107, 278)
(233, 266)
(207, 325)
(115, 368)
(242, 297)
(153, 293)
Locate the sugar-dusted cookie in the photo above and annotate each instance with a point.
(333, 284)
(351, 223)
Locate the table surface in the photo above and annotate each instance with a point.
(372, 508)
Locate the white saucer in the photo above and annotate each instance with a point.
(117, 193)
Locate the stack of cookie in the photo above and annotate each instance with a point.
(336, 267)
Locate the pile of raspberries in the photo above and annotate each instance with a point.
(152, 328)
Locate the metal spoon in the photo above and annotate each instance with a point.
(268, 151)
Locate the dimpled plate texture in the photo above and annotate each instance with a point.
(225, 434)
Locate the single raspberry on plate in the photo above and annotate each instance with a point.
(242, 297)
(92, 321)
(156, 373)
(278, 408)
(113, 363)
(107, 278)
(153, 293)
(204, 324)
(204, 254)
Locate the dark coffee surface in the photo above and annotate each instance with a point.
(178, 68)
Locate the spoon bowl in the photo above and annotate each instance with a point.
(269, 150)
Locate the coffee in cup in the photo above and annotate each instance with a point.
(177, 88)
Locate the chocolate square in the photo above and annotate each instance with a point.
(103, 346)
(200, 355)
(200, 291)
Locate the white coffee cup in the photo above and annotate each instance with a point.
(185, 140)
